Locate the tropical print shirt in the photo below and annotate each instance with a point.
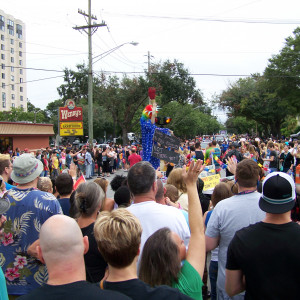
(30, 208)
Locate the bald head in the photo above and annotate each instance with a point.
(61, 240)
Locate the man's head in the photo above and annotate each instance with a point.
(5, 166)
(118, 235)
(159, 197)
(141, 178)
(26, 168)
(45, 184)
(197, 145)
(64, 184)
(278, 193)
(61, 243)
(247, 172)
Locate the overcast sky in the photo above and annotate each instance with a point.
(205, 35)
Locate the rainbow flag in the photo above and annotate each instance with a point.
(80, 180)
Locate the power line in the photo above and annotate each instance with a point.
(209, 19)
(33, 80)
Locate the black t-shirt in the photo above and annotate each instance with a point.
(269, 257)
(288, 159)
(94, 263)
(73, 291)
(65, 205)
(139, 290)
(273, 164)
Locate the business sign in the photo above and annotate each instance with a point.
(70, 132)
(66, 114)
(70, 119)
(71, 125)
(210, 181)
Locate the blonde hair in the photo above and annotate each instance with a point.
(103, 183)
(45, 184)
(118, 236)
(175, 178)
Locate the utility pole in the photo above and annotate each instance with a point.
(89, 32)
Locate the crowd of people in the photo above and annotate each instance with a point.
(160, 236)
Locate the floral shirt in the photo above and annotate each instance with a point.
(30, 208)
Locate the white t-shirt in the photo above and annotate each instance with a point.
(229, 216)
(154, 216)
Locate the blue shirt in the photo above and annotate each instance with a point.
(30, 208)
(8, 186)
(65, 205)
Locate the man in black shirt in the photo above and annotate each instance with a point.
(62, 248)
(267, 254)
(272, 157)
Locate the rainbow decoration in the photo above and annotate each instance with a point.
(147, 112)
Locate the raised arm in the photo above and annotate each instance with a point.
(196, 251)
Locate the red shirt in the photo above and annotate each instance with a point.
(134, 158)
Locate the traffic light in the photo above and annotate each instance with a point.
(165, 121)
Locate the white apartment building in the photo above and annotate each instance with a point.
(13, 90)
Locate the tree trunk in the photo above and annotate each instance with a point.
(124, 135)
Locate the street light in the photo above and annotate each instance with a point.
(102, 55)
(90, 84)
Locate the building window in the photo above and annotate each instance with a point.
(12, 78)
(2, 23)
(3, 66)
(12, 51)
(3, 99)
(12, 69)
(2, 47)
(20, 45)
(21, 80)
(21, 98)
(21, 105)
(20, 62)
(11, 41)
(12, 96)
(21, 89)
(2, 56)
(10, 27)
(2, 37)
(3, 75)
(21, 71)
(19, 31)
(3, 85)
(12, 87)
(12, 105)
(20, 53)
(12, 60)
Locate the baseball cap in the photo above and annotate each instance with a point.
(278, 193)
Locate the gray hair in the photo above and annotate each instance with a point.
(89, 196)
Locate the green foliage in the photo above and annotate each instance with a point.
(173, 82)
(283, 73)
(188, 121)
(240, 125)
(18, 115)
(289, 126)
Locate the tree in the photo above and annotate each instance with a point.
(18, 115)
(254, 99)
(188, 121)
(283, 73)
(173, 83)
(124, 98)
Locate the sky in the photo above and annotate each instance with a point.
(211, 38)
